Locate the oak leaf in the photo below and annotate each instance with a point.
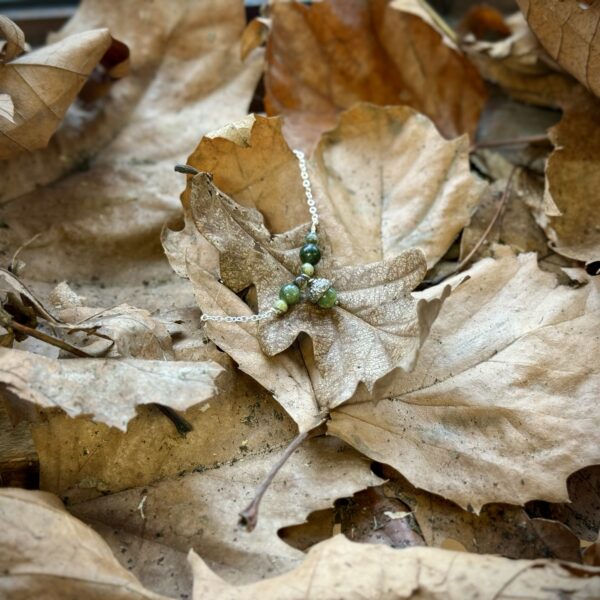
(323, 58)
(500, 407)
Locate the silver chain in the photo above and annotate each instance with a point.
(314, 217)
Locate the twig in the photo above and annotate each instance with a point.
(494, 219)
(187, 169)
(249, 516)
(13, 266)
(532, 139)
(35, 333)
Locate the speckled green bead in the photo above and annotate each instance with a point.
(280, 306)
(311, 238)
(307, 269)
(310, 253)
(328, 299)
(289, 293)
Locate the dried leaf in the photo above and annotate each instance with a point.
(571, 199)
(569, 32)
(181, 512)
(106, 389)
(42, 85)
(46, 553)
(7, 108)
(339, 569)
(15, 39)
(323, 58)
(500, 407)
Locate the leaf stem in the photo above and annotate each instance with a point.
(35, 333)
(249, 516)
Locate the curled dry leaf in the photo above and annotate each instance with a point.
(569, 32)
(325, 57)
(42, 85)
(181, 512)
(572, 204)
(108, 390)
(502, 405)
(7, 108)
(67, 559)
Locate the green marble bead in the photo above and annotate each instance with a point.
(310, 253)
(311, 238)
(280, 306)
(289, 293)
(328, 299)
(307, 269)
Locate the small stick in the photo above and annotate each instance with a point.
(182, 425)
(499, 211)
(35, 333)
(249, 516)
(186, 169)
(532, 139)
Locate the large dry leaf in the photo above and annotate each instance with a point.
(342, 570)
(502, 404)
(46, 552)
(241, 418)
(325, 57)
(376, 328)
(572, 201)
(200, 510)
(569, 32)
(109, 390)
(42, 85)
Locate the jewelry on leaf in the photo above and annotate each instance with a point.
(305, 285)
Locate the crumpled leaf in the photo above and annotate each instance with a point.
(571, 199)
(568, 31)
(325, 57)
(181, 512)
(7, 108)
(502, 405)
(43, 83)
(108, 390)
(66, 559)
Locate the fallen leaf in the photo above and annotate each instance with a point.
(181, 512)
(46, 553)
(7, 108)
(323, 58)
(42, 85)
(339, 569)
(108, 390)
(571, 200)
(500, 407)
(569, 32)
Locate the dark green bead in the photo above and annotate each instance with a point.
(311, 238)
(328, 299)
(290, 293)
(310, 253)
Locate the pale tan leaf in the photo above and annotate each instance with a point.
(42, 85)
(569, 32)
(323, 58)
(47, 553)
(15, 39)
(502, 404)
(200, 510)
(108, 390)
(339, 569)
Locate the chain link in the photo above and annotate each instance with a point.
(314, 217)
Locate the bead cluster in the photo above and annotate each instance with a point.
(316, 289)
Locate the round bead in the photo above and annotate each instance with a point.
(289, 293)
(310, 253)
(307, 269)
(328, 299)
(280, 306)
(311, 237)
(301, 280)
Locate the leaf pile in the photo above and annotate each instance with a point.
(447, 405)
